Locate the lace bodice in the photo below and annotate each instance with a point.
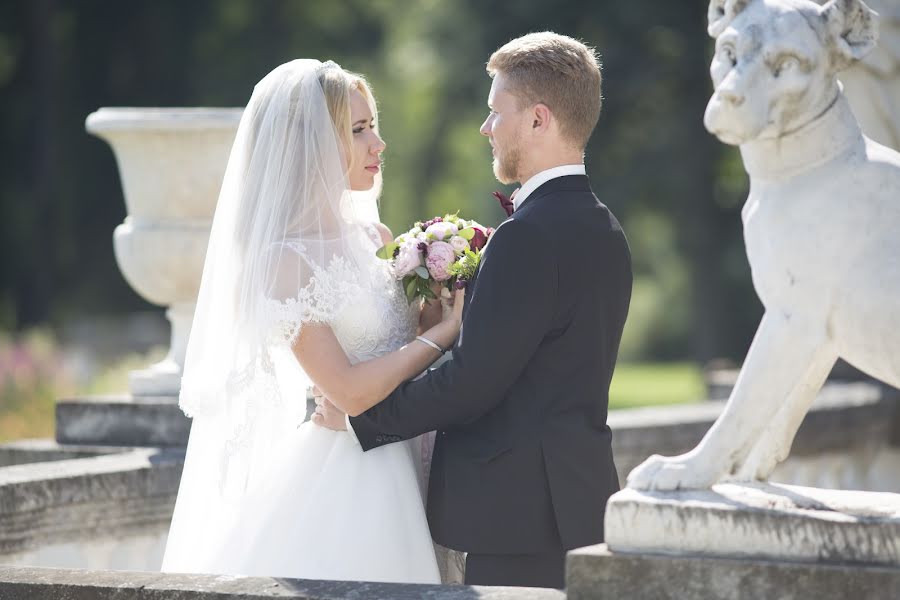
(367, 311)
(376, 320)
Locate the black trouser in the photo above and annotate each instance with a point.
(524, 570)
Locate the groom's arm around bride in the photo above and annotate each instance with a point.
(522, 464)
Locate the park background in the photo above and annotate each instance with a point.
(70, 324)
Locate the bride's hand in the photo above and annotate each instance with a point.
(455, 302)
(431, 309)
(445, 333)
(327, 415)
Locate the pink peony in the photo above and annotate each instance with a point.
(408, 258)
(440, 256)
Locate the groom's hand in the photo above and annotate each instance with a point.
(327, 414)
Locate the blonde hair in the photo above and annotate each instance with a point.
(558, 71)
(337, 84)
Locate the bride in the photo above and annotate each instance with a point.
(293, 296)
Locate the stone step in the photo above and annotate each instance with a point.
(22, 452)
(122, 421)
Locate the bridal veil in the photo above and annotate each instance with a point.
(284, 216)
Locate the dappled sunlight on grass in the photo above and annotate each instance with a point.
(113, 378)
(648, 384)
(34, 375)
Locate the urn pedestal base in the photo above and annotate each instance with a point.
(597, 572)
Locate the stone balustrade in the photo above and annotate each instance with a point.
(92, 497)
(56, 584)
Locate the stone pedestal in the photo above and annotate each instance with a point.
(122, 421)
(759, 520)
(128, 421)
(164, 377)
(749, 540)
(597, 572)
(171, 162)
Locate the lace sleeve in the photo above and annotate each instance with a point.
(307, 293)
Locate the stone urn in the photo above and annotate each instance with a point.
(171, 162)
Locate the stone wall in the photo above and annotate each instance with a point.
(101, 501)
(849, 439)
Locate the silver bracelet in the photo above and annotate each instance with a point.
(430, 343)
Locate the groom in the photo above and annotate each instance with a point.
(522, 464)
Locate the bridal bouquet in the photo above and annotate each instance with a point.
(445, 250)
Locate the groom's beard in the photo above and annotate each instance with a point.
(506, 168)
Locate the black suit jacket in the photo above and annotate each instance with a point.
(523, 457)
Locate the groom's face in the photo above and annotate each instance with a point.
(503, 128)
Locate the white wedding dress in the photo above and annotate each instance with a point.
(290, 246)
(316, 506)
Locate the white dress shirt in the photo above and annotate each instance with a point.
(529, 186)
(543, 177)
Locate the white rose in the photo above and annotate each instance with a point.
(459, 244)
(442, 230)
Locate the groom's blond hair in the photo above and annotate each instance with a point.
(558, 71)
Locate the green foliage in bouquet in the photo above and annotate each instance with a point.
(464, 269)
(418, 284)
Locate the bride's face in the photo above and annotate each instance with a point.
(367, 146)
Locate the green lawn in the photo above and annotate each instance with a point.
(647, 384)
(29, 391)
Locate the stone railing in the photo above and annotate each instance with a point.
(80, 511)
(92, 498)
(53, 584)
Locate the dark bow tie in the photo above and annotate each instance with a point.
(505, 203)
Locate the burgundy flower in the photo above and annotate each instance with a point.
(478, 240)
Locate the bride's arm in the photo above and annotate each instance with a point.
(356, 388)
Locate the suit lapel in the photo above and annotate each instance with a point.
(575, 183)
